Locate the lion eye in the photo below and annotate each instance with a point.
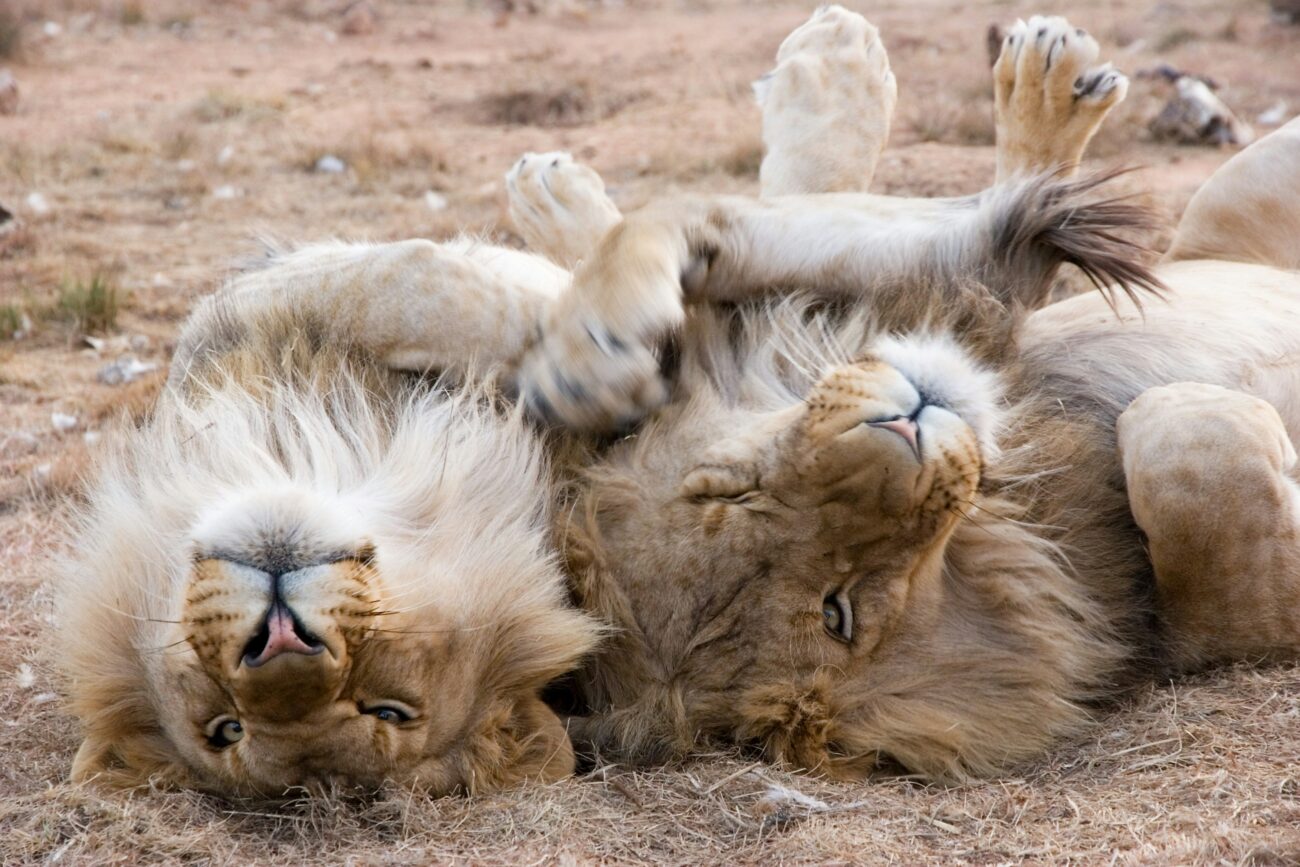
(224, 731)
(837, 616)
(389, 713)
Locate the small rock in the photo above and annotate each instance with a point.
(330, 165)
(1195, 115)
(91, 437)
(52, 29)
(38, 204)
(8, 92)
(226, 155)
(1272, 116)
(435, 201)
(1286, 11)
(26, 678)
(359, 19)
(226, 191)
(63, 422)
(95, 343)
(126, 369)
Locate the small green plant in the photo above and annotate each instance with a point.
(132, 14)
(11, 320)
(92, 305)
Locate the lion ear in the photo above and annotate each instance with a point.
(125, 761)
(1040, 224)
(546, 753)
(517, 743)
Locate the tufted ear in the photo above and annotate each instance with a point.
(791, 723)
(1045, 222)
(516, 743)
(125, 760)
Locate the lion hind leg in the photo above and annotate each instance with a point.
(1209, 482)
(1247, 211)
(1050, 98)
(559, 205)
(827, 106)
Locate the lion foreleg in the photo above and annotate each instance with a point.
(1209, 482)
(415, 305)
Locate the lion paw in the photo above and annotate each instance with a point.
(585, 377)
(1050, 97)
(827, 106)
(559, 206)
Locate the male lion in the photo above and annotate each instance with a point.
(311, 569)
(923, 521)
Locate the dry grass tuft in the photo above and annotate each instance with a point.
(956, 124)
(565, 105)
(12, 24)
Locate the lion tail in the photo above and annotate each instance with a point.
(1249, 210)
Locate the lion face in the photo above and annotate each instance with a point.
(768, 582)
(372, 616)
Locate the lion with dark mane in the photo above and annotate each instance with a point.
(912, 513)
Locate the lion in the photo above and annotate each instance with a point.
(313, 567)
(911, 515)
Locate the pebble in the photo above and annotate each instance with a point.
(435, 201)
(37, 203)
(126, 369)
(331, 165)
(226, 191)
(62, 421)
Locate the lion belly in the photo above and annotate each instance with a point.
(1081, 365)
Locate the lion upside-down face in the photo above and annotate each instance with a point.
(805, 578)
(286, 594)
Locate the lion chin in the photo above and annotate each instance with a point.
(276, 587)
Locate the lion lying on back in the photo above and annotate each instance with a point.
(310, 569)
(929, 530)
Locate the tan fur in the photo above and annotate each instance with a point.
(705, 539)
(1246, 211)
(406, 530)
(1050, 99)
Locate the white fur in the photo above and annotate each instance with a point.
(940, 368)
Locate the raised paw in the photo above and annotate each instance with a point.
(1050, 97)
(559, 206)
(827, 106)
(588, 379)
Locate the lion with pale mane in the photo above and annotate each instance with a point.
(884, 518)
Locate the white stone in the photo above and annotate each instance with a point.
(435, 201)
(331, 165)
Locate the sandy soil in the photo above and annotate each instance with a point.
(165, 136)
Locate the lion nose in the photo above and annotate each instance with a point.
(906, 427)
(280, 633)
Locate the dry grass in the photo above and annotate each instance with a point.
(139, 114)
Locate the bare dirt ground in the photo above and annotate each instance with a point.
(161, 137)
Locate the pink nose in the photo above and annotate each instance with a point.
(279, 635)
(906, 428)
